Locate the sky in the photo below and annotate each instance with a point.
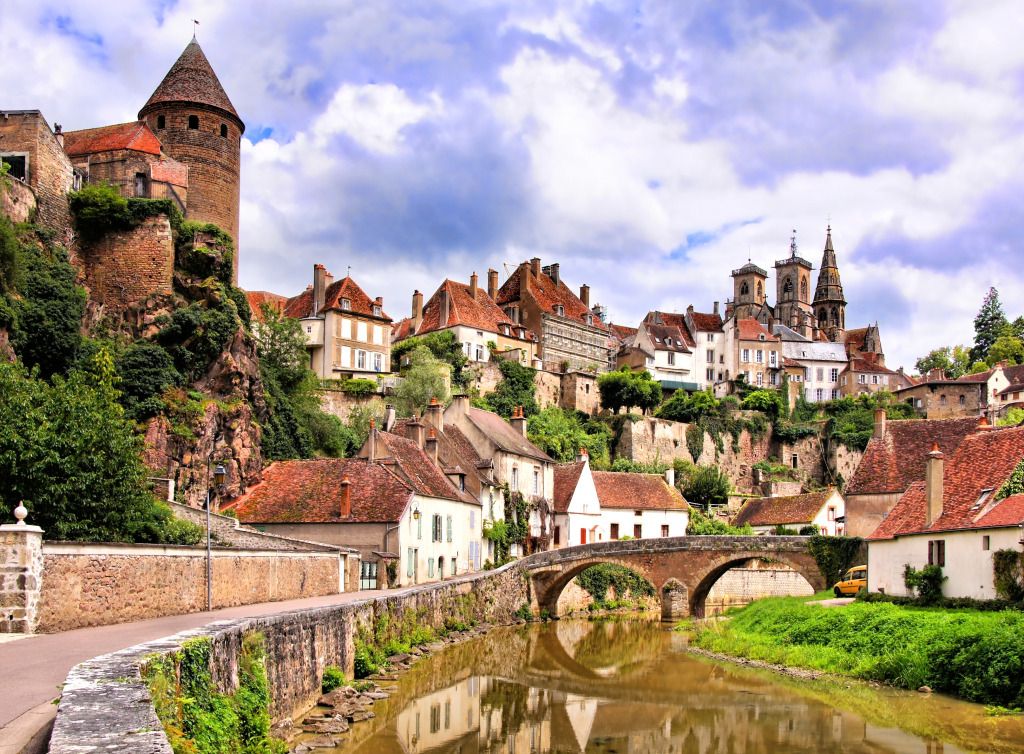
(648, 147)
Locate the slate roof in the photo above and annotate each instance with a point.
(567, 476)
(308, 492)
(191, 79)
(751, 329)
(134, 136)
(892, 463)
(636, 491)
(302, 305)
(258, 298)
(813, 350)
(501, 433)
(548, 296)
(787, 334)
(983, 461)
(481, 313)
(788, 509)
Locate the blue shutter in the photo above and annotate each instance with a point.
(410, 563)
(419, 527)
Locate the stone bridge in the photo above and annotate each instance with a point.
(682, 569)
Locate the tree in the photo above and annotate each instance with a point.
(561, 434)
(707, 486)
(516, 388)
(709, 525)
(9, 255)
(424, 379)
(988, 325)
(1008, 348)
(443, 345)
(978, 367)
(688, 408)
(769, 402)
(627, 389)
(953, 361)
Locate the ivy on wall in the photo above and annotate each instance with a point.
(835, 556)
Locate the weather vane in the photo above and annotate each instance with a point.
(194, 25)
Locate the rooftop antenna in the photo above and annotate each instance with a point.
(194, 25)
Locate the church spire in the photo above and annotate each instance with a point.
(829, 305)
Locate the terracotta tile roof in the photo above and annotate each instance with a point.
(865, 365)
(308, 492)
(892, 463)
(302, 305)
(135, 136)
(662, 334)
(481, 313)
(453, 450)
(191, 79)
(751, 329)
(622, 332)
(984, 461)
(672, 320)
(789, 509)
(707, 322)
(415, 468)
(465, 448)
(401, 329)
(501, 433)
(979, 377)
(636, 491)
(567, 476)
(258, 298)
(855, 338)
(548, 296)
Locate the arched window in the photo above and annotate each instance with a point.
(161, 121)
(835, 317)
(787, 287)
(224, 130)
(744, 289)
(822, 318)
(193, 121)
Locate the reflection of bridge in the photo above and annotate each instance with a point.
(682, 569)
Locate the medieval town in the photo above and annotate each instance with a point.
(494, 516)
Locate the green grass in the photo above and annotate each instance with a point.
(974, 655)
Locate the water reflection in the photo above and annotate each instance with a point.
(618, 687)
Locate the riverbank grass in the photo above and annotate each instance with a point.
(978, 656)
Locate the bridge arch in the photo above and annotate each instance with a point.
(549, 583)
(699, 593)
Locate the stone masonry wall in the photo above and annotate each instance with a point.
(21, 569)
(17, 201)
(740, 586)
(128, 266)
(85, 585)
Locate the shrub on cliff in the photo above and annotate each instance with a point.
(561, 434)
(516, 388)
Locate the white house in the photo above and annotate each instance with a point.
(595, 506)
(821, 362)
(955, 518)
(824, 510)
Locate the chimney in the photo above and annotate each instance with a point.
(933, 485)
(319, 286)
(585, 295)
(371, 442)
(879, 423)
(389, 418)
(430, 447)
(670, 476)
(446, 306)
(554, 272)
(715, 309)
(417, 432)
(583, 456)
(345, 499)
(492, 284)
(472, 285)
(328, 279)
(434, 416)
(518, 420)
(689, 309)
(459, 405)
(535, 266)
(58, 133)
(417, 310)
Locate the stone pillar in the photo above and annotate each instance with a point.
(675, 600)
(21, 575)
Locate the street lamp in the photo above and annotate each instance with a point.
(219, 475)
(416, 513)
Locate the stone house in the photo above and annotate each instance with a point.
(824, 509)
(474, 317)
(390, 502)
(865, 375)
(818, 365)
(893, 460)
(666, 351)
(711, 352)
(347, 333)
(753, 352)
(1003, 387)
(935, 397)
(36, 160)
(517, 462)
(954, 518)
(571, 334)
(595, 506)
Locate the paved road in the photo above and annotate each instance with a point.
(32, 668)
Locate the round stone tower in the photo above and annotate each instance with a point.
(197, 124)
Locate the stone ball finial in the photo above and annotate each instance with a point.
(20, 513)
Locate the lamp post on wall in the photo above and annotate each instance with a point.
(219, 474)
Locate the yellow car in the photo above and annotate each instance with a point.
(854, 580)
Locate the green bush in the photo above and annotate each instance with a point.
(835, 556)
(709, 525)
(927, 582)
(180, 531)
(359, 387)
(203, 261)
(707, 486)
(332, 679)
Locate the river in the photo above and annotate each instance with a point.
(619, 686)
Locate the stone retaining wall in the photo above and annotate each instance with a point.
(105, 705)
(95, 585)
(741, 586)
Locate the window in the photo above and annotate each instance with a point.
(515, 479)
(309, 329)
(368, 574)
(664, 530)
(430, 570)
(360, 359)
(346, 329)
(412, 559)
(711, 356)
(558, 535)
(17, 166)
(819, 394)
(419, 527)
(560, 310)
(833, 375)
(479, 353)
(637, 531)
(671, 359)
(346, 305)
(711, 375)
(942, 400)
(821, 374)
(773, 359)
(874, 379)
(862, 379)
(361, 332)
(843, 382)
(614, 531)
(937, 552)
(773, 378)
(745, 355)
(536, 481)
(796, 460)
(161, 121)
(193, 122)
(759, 356)
(831, 513)
(378, 362)
(435, 528)
(985, 542)
(223, 130)
(760, 379)
(638, 513)
(835, 394)
(376, 311)
(472, 521)
(962, 401)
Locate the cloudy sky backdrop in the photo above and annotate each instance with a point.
(649, 147)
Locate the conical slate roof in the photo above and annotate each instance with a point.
(830, 288)
(191, 79)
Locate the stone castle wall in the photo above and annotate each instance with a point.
(17, 201)
(128, 266)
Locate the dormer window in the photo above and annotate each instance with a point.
(346, 304)
(761, 336)
(657, 340)
(560, 310)
(983, 498)
(590, 319)
(376, 311)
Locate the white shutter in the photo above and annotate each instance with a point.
(378, 335)
(346, 328)
(361, 331)
(345, 356)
